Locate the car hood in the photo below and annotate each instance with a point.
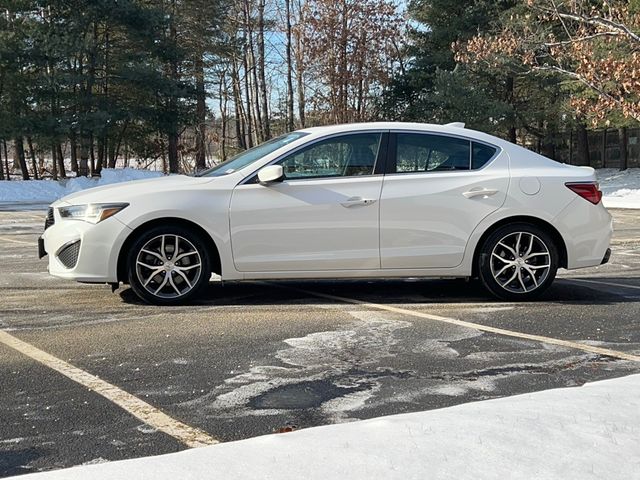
(125, 191)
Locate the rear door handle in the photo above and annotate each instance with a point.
(480, 192)
(356, 201)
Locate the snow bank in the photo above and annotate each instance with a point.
(621, 188)
(47, 191)
(591, 432)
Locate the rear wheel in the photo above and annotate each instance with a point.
(518, 262)
(168, 265)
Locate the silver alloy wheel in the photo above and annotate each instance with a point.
(520, 262)
(168, 266)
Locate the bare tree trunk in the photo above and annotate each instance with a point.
(223, 99)
(623, 142)
(83, 166)
(174, 165)
(300, 68)
(266, 127)
(582, 148)
(54, 161)
(62, 171)
(97, 167)
(73, 144)
(201, 114)
(6, 159)
(1, 165)
(251, 78)
(239, 109)
(342, 76)
(32, 154)
(92, 155)
(290, 119)
(22, 161)
(248, 113)
(114, 149)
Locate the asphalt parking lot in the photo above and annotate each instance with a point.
(256, 358)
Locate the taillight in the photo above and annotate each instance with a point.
(588, 191)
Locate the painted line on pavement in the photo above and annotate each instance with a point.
(190, 436)
(5, 239)
(484, 328)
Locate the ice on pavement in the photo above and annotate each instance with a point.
(588, 432)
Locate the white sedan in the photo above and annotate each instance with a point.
(352, 201)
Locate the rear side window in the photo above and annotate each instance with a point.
(421, 152)
(481, 155)
(418, 152)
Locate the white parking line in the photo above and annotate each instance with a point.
(485, 328)
(190, 436)
(5, 239)
(611, 284)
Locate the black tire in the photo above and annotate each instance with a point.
(518, 275)
(183, 280)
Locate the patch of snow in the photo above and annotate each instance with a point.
(146, 429)
(320, 356)
(621, 189)
(12, 440)
(47, 191)
(96, 461)
(588, 432)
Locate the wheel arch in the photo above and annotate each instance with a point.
(216, 265)
(538, 222)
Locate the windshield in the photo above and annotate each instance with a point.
(252, 155)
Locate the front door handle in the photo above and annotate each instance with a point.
(356, 201)
(480, 192)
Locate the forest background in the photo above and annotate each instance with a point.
(179, 85)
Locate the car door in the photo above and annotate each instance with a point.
(322, 216)
(437, 190)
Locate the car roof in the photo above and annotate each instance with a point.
(450, 128)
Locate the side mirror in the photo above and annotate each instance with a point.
(270, 174)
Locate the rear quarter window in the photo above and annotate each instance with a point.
(481, 154)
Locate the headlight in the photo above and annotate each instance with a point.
(92, 213)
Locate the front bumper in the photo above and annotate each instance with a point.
(96, 260)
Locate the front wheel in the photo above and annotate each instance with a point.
(518, 262)
(168, 265)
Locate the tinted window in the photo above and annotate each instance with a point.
(418, 152)
(344, 156)
(482, 154)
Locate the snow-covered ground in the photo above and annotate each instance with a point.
(47, 191)
(621, 189)
(588, 432)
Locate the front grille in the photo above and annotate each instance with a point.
(68, 256)
(50, 220)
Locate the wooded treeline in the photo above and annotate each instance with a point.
(86, 85)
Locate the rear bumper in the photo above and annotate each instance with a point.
(587, 230)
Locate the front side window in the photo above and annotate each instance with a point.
(417, 152)
(343, 156)
(252, 155)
